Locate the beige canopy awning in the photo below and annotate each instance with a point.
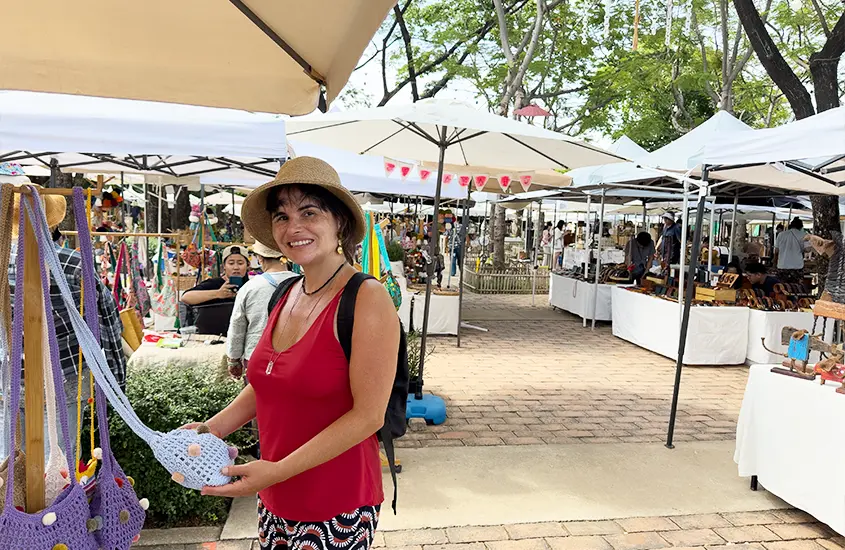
(256, 55)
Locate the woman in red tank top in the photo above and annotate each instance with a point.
(319, 480)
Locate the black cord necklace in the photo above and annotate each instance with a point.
(324, 284)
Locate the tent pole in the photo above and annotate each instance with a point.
(552, 240)
(712, 238)
(464, 226)
(685, 222)
(598, 260)
(160, 191)
(789, 219)
(733, 228)
(433, 243)
(645, 216)
(538, 231)
(588, 238)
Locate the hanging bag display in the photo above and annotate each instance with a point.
(117, 516)
(194, 458)
(63, 523)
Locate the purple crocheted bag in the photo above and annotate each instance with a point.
(117, 516)
(63, 524)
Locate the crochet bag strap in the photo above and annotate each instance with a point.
(94, 356)
(6, 211)
(92, 320)
(118, 270)
(17, 336)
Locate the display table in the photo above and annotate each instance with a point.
(576, 297)
(788, 435)
(194, 354)
(442, 319)
(573, 257)
(716, 335)
(768, 324)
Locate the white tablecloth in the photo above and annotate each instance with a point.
(768, 324)
(790, 436)
(716, 336)
(442, 319)
(576, 297)
(574, 257)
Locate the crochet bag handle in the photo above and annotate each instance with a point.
(17, 338)
(92, 319)
(91, 350)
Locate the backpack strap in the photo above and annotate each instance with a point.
(345, 321)
(269, 278)
(280, 291)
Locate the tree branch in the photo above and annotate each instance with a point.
(409, 50)
(558, 93)
(515, 81)
(503, 31)
(705, 66)
(824, 66)
(822, 20)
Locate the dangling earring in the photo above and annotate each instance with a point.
(339, 246)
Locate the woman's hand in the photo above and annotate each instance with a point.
(254, 477)
(236, 369)
(226, 291)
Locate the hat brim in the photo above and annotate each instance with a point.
(55, 209)
(259, 223)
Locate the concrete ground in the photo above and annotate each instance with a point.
(553, 442)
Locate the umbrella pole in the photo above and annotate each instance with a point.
(685, 222)
(552, 242)
(733, 228)
(699, 219)
(598, 261)
(588, 237)
(434, 248)
(160, 191)
(464, 226)
(538, 231)
(712, 238)
(645, 216)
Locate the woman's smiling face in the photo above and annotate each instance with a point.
(304, 231)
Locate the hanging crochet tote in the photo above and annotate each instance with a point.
(194, 458)
(117, 516)
(63, 523)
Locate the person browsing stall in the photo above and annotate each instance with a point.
(217, 289)
(789, 252)
(249, 315)
(639, 253)
(670, 241)
(757, 276)
(319, 480)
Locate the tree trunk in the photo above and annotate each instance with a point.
(491, 228)
(179, 215)
(499, 242)
(151, 210)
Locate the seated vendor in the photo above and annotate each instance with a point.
(220, 290)
(757, 276)
(735, 268)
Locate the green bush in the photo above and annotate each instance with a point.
(395, 252)
(164, 400)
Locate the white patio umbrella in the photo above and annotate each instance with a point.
(450, 133)
(257, 55)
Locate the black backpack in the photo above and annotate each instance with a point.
(395, 422)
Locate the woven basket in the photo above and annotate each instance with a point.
(185, 282)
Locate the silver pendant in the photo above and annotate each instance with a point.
(269, 367)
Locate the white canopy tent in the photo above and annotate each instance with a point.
(90, 134)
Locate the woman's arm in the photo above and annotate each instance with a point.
(375, 344)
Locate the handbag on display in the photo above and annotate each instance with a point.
(194, 458)
(63, 524)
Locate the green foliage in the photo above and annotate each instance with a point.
(414, 353)
(164, 400)
(395, 252)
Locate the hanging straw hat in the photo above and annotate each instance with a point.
(265, 251)
(55, 208)
(303, 171)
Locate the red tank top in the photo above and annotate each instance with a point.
(306, 391)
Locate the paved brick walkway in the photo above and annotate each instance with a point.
(776, 530)
(535, 381)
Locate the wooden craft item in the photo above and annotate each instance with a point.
(797, 355)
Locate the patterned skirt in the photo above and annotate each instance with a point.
(352, 531)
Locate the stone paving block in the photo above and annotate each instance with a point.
(415, 537)
(740, 519)
(592, 527)
(692, 537)
(578, 543)
(378, 539)
(637, 541)
(182, 535)
(831, 544)
(748, 533)
(794, 545)
(790, 531)
(234, 545)
(794, 516)
(524, 544)
(476, 534)
(534, 530)
(701, 521)
(638, 525)
(459, 546)
(745, 546)
(482, 441)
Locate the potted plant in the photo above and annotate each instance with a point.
(396, 255)
(414, 355)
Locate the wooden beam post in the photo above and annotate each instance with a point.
(33, 307)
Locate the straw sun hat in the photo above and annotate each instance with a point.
(266, 251)
(303, 171)
(55, 208)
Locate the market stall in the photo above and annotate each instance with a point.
(573, 257)
(204, 352)
(442, 318)
(786, 438)
(576, 296)
(717, 335)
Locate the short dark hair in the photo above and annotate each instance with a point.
(644, 238)
(327, 202)
(796, 223)
(755, 268)
(560, 224)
